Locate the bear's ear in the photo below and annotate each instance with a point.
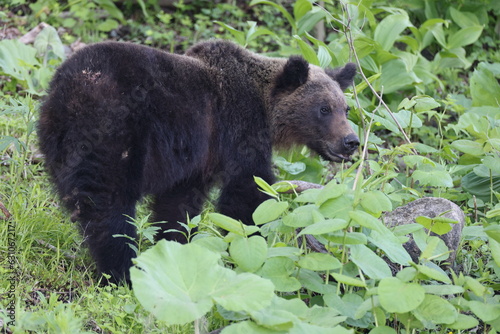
(343, 75)
(295, 73)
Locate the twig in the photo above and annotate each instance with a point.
(55, 249)
(5, 212)
(350, 40)
(301, 186)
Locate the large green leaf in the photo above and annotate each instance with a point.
(268, 210)
(484, 87)
(464, 37)
(463, 19)
(325, 226)
(397, 296)
(435, 310)
(188, 281)
(468, 146)
(319, 261)
(375, 202)
(48, 40)
(390, 29)
(16, 58)
(249, 253)
(480, 186)
(369, 262)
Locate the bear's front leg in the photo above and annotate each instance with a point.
(103, 232)
(240, 196)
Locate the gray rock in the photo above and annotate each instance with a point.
(430, 207)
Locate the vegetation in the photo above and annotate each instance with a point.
(426, 107)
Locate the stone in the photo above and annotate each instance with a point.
(431, 207)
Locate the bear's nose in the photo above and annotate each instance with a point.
(351, 142)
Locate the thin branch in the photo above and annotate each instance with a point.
(350, 40)
(55, 249)
(6, 213)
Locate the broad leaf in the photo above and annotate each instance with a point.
(249, 253)
(369, 262)
(397, 296)
(269, 210)
(390, 29)
(435, 310)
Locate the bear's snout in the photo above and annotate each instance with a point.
(351, 142)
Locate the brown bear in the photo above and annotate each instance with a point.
(122, 121)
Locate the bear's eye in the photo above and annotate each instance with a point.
(325, 110)
(347, 110)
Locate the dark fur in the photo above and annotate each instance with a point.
(123, 120)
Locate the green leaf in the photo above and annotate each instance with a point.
(443, 290)
(349, 238)
(111, 8)
(182, 288)
(265, 187)
(375, 202)
(319, 262)
(254, 32)
(433, 274)
(493, 231)
(395, 76)
(309, 20)
(245, 327)
(300, 217)
(239, 36)
(227, 223)
(480, 186)
(244, 293)
(300, 8)
(463, 19)
(48, 40)
(390, 29)
(399, 297)
(15, 58)
(391, 245)
(468, 146)
(484, 311)
(330, 191)
(433, 177)
(307, 51)
(425, 103)
(269, 210)
(348, 280)
(107, 25)
(435, 310)
(464, 322)
(366, 220)
(475, 286)
(438, 225)
(325, 226)
(249, 253)
(324, 57)
(369, 262)
(495, 250)
(278, 270)
(293, 168)
(484, 87)
(464, 37)
(382, 330)
(337, 207)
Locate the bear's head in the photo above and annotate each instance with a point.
(308, 107)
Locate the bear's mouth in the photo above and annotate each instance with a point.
(328, 153)
(337, 157)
